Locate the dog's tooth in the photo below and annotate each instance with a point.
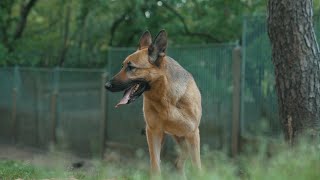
(136, 87)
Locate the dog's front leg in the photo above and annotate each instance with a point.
(154, 138)
(194, 148)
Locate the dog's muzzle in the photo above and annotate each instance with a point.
(108, 85)
(132, 89)
(114, 85)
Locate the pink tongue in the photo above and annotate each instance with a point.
(125, 98)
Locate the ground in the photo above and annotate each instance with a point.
(284, 162)
(68, 166)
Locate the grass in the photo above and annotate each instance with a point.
(294, 163)
(14, 169)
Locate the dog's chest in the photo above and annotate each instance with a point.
(167, 118)
(156, 113)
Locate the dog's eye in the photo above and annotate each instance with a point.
(130, 68)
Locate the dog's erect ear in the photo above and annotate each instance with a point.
(157, 49)
(145, 40)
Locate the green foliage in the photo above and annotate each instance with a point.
(15, 170)
(301, 162)
(10, 169)
(82, 31)
(3, 55)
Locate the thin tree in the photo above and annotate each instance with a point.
(66, 32)
(8, 39)
(296, 58)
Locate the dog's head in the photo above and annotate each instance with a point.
(140, 69)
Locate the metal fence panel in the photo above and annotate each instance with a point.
(61, 105)
(260, 112)
(79, 111)
(27, 115)
(6, 95)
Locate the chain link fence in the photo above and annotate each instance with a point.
(259, 101)
(42, 107)
(69, 108)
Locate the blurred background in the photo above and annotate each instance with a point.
(78, 33)
(56, 55)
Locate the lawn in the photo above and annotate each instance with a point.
(263, 163)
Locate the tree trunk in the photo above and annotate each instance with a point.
(24, 13)
(6, 22)
(296, 56)
(65, 44)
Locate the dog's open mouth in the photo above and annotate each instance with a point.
(132, 93)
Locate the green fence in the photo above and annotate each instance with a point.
(40, 107)
(259, 101)
(71, 109)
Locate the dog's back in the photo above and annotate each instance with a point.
(183, 86)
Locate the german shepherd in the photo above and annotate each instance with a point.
(171, 99)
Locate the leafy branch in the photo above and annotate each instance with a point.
(185, 26)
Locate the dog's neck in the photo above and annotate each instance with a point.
(170, 84)
(158, 89)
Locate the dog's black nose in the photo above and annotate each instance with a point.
(108, 85)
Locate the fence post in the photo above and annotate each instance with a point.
(53, 106)
(14, 103)
(14, 114)
(38, 107)
(236, 103)
(103, 113)
(53, 115)
(243, 73)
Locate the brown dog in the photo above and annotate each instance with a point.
(171, 98)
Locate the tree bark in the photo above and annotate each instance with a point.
(115, 25)
(86, 6)
(6, 22)
(296, 57)
(24, 12)
(65, 44)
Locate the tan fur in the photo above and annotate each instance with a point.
(171, 106)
